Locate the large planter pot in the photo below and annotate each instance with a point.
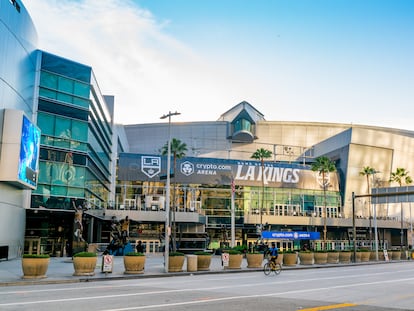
(290, 259)
(279, 259)
(235, 261)
(345, 257)
(134, 264)
(203, 262)
(175, 263)
(396, 255)
(365, 256)
(306, 258)
(254, 260)
(84, 266)
(35, 268)
(321, 258)
(333, 257)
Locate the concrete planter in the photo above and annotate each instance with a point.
(333, 257)
(235, 261)
(365, 256)
(345, 257)
(134, 264)
(203, 262)
(254, 260)
(321, 258)
(35, 268)
(84, 266)
(175, 263)
(290, 259)
(306, 258)
(396, 255)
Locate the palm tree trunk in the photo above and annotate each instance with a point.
(325, 211)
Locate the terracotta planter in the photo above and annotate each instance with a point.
(254, 260)
(333, 257)
(35, 268)
(203, 262)
(321, 258)
(175, 263)
(365, 256)
(306, 258)
(84, 266)
(358, 257)
(290, 259)
(134, 264)
(345, 257)
(235, 261)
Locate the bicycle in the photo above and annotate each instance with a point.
(272, 266)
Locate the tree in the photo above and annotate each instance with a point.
(400, 176)
(323, 165)
(261, 154)
(178, 150)
(367, 172)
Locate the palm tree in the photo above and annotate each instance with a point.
(400, 176)
(261, 154)
(323, 165)
(367, 171)
(178, 150)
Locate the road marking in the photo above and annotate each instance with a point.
(330, 307)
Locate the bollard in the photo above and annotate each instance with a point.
(191, 263)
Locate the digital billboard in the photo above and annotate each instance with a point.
(20, 143)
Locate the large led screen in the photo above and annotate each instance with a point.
(29, 153)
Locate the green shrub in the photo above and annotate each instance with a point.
(173, 254)
(202, 253)
(35, 256)
(85, 254)
(288, 251)
(134, 254)
(231, 251)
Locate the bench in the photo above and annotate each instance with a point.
(4, 252)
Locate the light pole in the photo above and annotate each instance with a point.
(167, 196)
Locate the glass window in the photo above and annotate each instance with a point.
(47, 93)
(81, 102)
(81, 89)
(76, 192)
(46, 122)
(58, 191)
(64, 98)
(80, 130)
(48, 80)
(65, 85)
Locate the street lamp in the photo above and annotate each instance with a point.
(168, 186)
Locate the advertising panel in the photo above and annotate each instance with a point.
(20, 143)
(191, 170)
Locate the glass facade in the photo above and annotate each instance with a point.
(75, 155)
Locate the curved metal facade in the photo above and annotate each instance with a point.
(18, 39)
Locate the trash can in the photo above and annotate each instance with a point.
(191, 263)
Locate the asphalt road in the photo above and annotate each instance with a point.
(367, 287)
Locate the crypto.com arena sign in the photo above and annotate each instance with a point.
(191, 170)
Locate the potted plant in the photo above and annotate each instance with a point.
(306, 257)
(203, 260)
(290, 258)
(345, 256)
(235, 258)
(35, 266)
(365, 254)
(84, 263)
(333, 256)
(321, 257)
(175, 261)
(134, 263)
(396, 254)
(254, 259)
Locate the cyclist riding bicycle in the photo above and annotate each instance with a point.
(273, 252)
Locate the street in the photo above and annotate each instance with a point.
(387, 286)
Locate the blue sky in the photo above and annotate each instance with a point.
(294, 60)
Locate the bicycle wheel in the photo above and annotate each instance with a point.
(277, 268)
(267, 269)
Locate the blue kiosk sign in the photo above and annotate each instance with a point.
(291, 235)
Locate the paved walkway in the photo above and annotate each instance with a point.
(61, 270)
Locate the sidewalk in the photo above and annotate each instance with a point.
(61, 270)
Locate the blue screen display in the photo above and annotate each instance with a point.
(29, 153)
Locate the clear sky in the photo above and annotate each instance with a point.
(342, 61)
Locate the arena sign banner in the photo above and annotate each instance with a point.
(291, 235)
(192, 170)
